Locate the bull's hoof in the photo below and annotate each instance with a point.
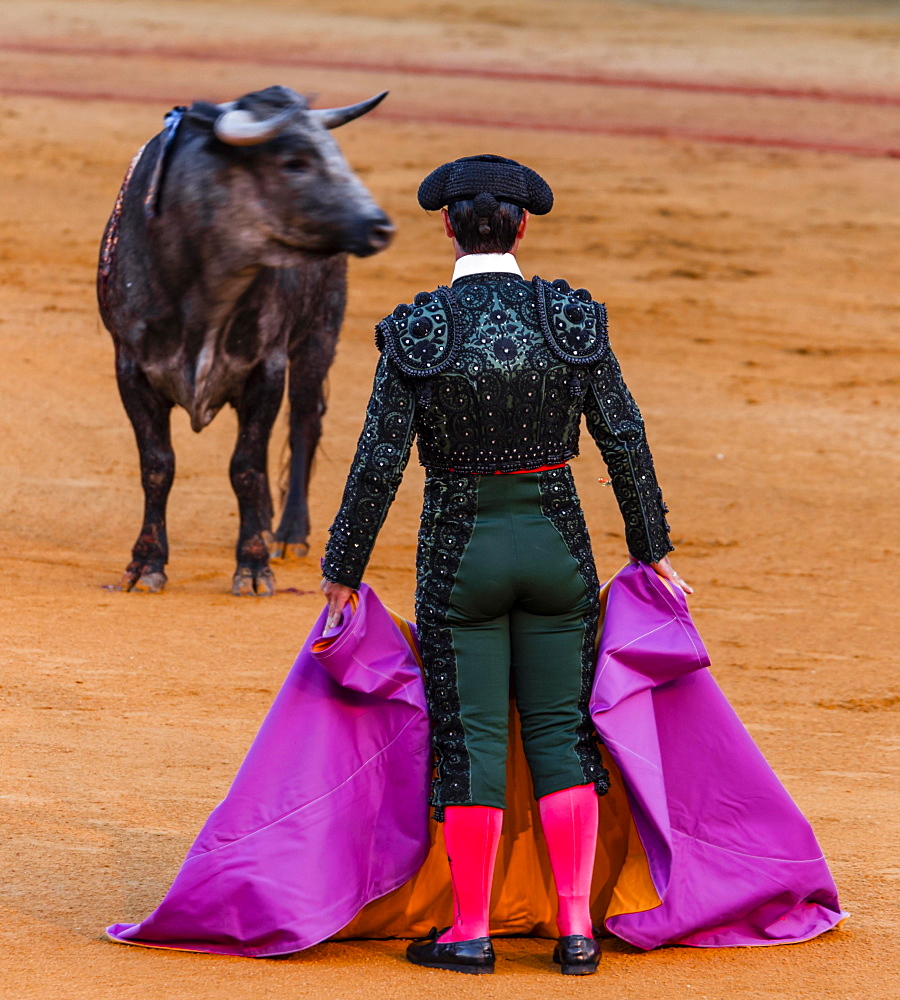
(288, 550)
(246, 583)
(148, 582)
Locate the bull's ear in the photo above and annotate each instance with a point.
(202, 114)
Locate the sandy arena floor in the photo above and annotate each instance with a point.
(723, 182)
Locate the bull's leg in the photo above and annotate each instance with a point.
(307, 407)
(257, 409)
(310, 359)
(149, 414)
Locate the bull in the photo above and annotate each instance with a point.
(223, 266)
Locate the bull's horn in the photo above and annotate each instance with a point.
(333, 117)
(240, 128)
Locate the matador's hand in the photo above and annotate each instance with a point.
(666, 570)
(337, 596)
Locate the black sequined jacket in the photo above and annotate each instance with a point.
(492, 375)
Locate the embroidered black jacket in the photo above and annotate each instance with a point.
(494, 375)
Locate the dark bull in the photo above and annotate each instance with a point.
(223, 263)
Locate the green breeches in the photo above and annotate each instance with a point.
(506, 602)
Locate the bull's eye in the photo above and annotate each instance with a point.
(296, 164)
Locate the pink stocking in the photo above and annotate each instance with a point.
(471, 834)
(569, 819)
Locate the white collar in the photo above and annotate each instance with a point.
(486, 263)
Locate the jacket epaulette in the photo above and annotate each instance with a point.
(421, 338)
(575, 326)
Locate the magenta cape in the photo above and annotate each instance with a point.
(329, 811)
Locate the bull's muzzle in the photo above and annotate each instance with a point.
(373, 235)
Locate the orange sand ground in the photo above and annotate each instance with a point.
(753, 301)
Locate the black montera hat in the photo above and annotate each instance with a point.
(494, 176)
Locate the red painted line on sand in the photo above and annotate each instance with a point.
(439, 118)
(659, 132)
(474, 72)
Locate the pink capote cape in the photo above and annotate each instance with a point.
(325, 830)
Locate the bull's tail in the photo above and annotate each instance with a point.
(111, 241)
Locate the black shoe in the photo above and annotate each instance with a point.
(475, 956)
(577, 955)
